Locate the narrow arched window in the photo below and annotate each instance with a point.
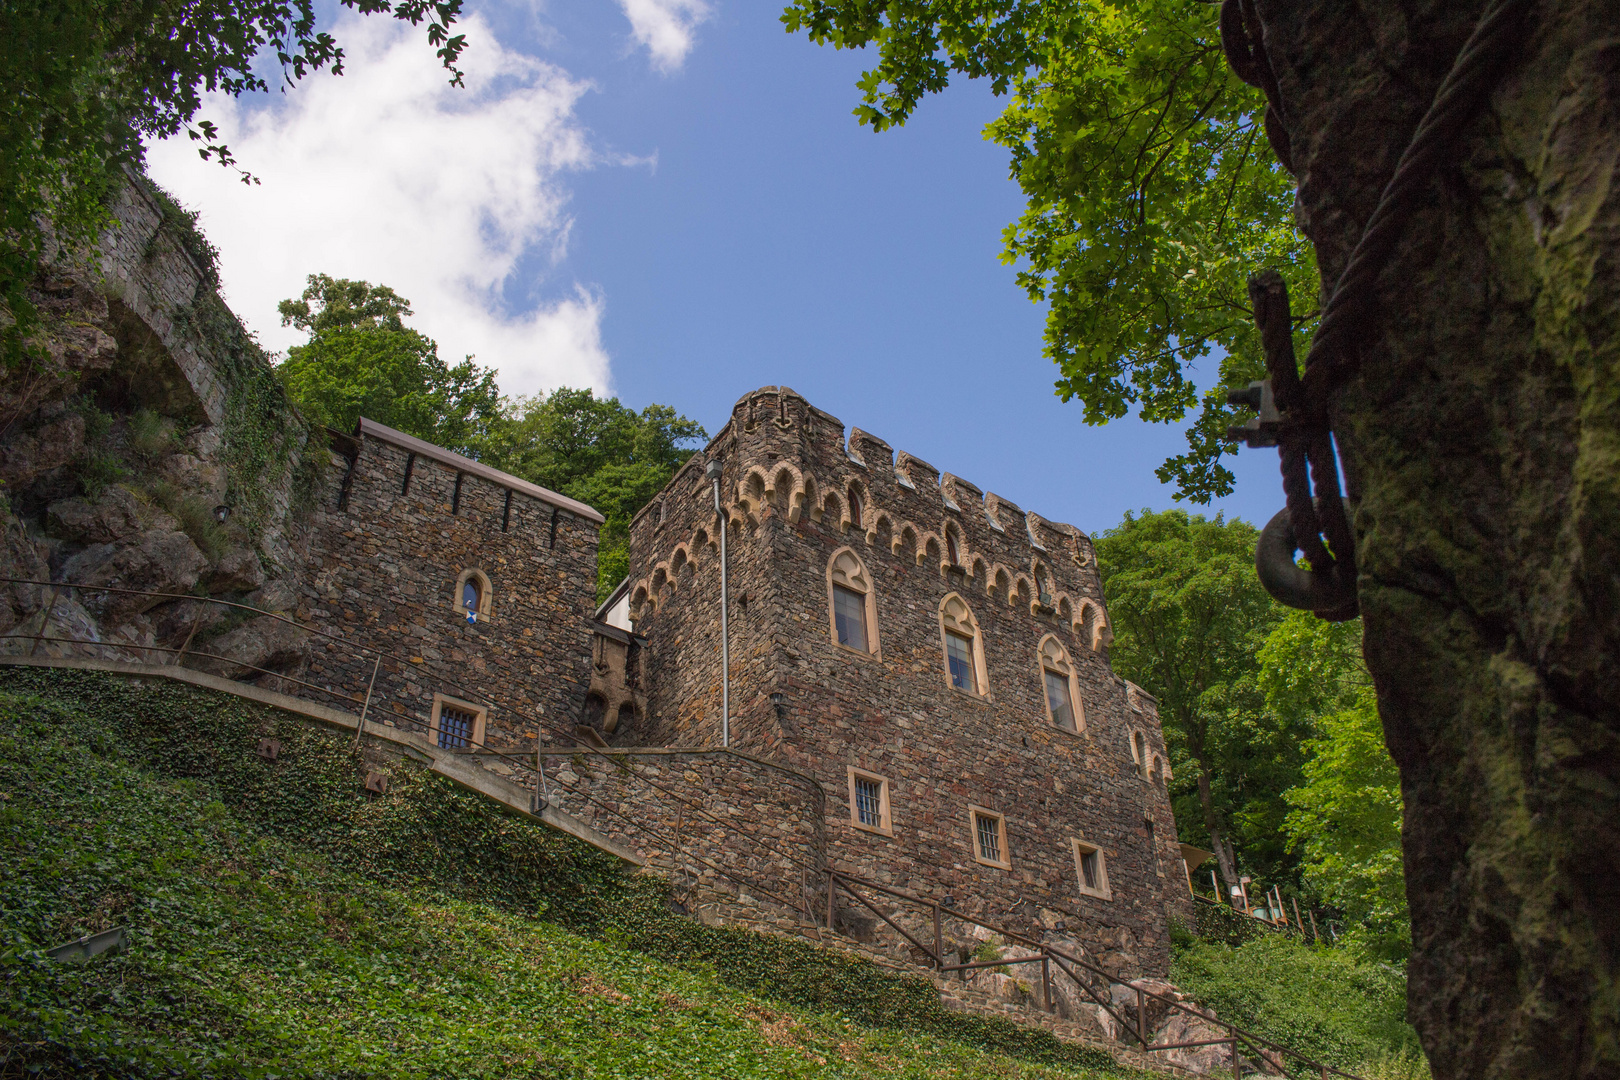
(1058, 676)
(471, 597)
(951, 552)
(855, 508)
(964, 646)
(854, 609)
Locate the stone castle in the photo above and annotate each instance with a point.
(919, 687)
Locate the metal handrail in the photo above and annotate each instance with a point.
(1050, 954)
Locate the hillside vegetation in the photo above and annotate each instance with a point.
(284, 924)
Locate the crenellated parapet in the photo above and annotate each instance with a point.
(785, 459)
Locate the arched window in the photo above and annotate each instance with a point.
(851, 603)
(471, 596)
(952, 553)
(855, 508)
(964, 646)
(1064, 708)
(1139, 753)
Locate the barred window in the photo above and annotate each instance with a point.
(989, 837)
(455, 727)
(1091, 867)
(869, 802)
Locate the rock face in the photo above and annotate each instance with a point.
(262, 643)
(116, 454)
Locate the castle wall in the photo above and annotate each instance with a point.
(384, 564)
(787, 476)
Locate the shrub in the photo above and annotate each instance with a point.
(1321, 1000)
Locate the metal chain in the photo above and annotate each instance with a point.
(1301, 429)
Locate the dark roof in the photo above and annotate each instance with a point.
(426, 449)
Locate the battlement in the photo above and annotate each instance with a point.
(784, 457)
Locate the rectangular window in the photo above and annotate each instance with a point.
(1092, 870)
(869, 802)
(849, 612)
(989, 837)
(1057, 699)
(959, 654)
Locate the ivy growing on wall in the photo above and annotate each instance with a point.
(298, 839)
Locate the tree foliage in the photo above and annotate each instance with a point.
(1345, 815)
(362, 360)
(598, 451)
(1151, 190)
(83, 82)
(1189, 619)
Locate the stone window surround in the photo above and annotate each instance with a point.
(860, 583)
(480, 720)
(1059, 663)
(885, 814)
(1083, 847)
(974, 814)
(485, 591)
(969, 628)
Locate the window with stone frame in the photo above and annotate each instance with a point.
(1060, 679)
(869, 802)
(851, 604)
(963, 646)
(471, 596)
(989, 833)
(1091, 870)
(456, 724)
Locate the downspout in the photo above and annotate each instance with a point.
(713, 473)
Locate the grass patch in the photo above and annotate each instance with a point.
(285, 924)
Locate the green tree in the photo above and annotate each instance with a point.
(1189, 617)
(598, 451)
(83, 82)
(1346, 815)
(1151, 193)
(1475, 398)
(362, 360)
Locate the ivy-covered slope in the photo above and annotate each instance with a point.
(286, 924)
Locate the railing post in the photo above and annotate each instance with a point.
(1046, 979)
(360, 728)
(1141, 1018)
(45, 623)
(196, 624)
(939, 941)
(1237, 1069)
(832, 883)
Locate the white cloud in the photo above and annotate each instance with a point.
(390, 175)
(665, 27)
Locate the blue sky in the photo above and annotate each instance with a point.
(669, 200)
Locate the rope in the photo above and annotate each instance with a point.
(1320, 527)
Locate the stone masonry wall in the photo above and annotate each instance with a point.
(742, 840)
(788, 474)
(383, 571)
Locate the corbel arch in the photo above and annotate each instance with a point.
(680, 563)
(752, 491)
(804, 501)
(1000, 582)
(905, 540)
(1055, 663)
(978, 572)
(832, 510)
(846, 571)
(956, 620)
(641, 602)
(1022, 593)
(931, 551)
(881, 530)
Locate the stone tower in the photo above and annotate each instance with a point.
(933, 655)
